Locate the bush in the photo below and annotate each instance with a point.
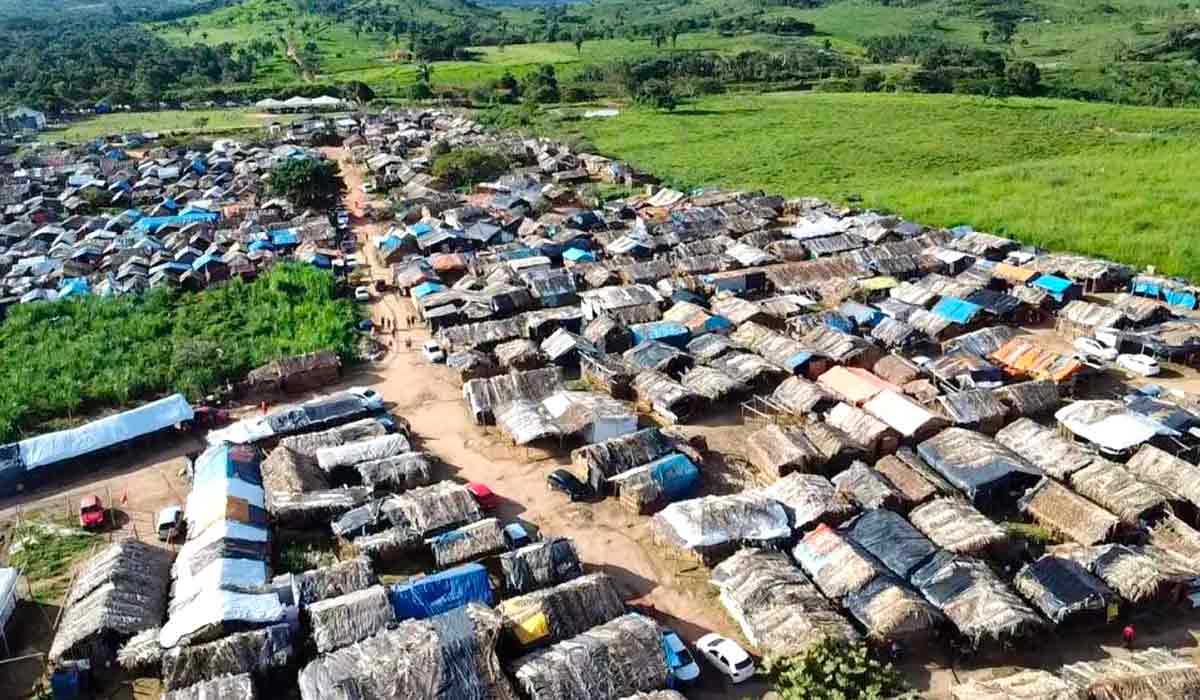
(834, 670)
(308, 182)
(657, 94)
(468, 166)
(420, 91)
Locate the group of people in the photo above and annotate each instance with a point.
(389, 326)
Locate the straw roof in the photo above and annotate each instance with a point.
(862, 427)
(1063, 510)
(1048, 450)
(1030, 398)
(307, 444)
(1135, 573)
(1171, 474)
(1176, 537)
(799, 396)
(810, 498)
(1150, 674)
(1113, 487)
(338, 622)
(1026, 684)
(777, 451)
(897, 370)
(712, 384)
(565, 610)
(469, 542)
(837, 566)
(914, 489)
(777, 608)
(974, 599)
(866, 486)
(288, 471)
(955, 525)
(431, 508)
(889, 609)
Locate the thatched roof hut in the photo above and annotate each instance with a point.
(776, 451)
(120, 591)
(546, 563)
(983, 469)
(222, 688)
(1115, 489)
(1136, 573)
(1176, 537)
(1170, 474)
(259, 652)
(1062, 510)
(780, 612)
(1061, 588)
(711, 383)
(397, 473)
(913, 487)
(836, 565)
(288, 471)
(889, 609)
(977, 409)
(328, 581)
(338, 622)
(897, 369)
(864, 429)
(956, 526)
(598, 462)
(1048, 450)
(485, 396)
(351, 453)
(468, 543)
(519, 354)
(708, 527)
(614, 660)
(656, 695)
(307, 444)
(300, 510)
(974, 599)
(799, 396)
(867, 487)
(436, 508)
(665, 396)
(1027, 684)
(563, 611)
(451, 654)
(1032, 398)
(1148, 674)
(472, 364)
(810, 498)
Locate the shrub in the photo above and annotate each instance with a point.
(834, 670)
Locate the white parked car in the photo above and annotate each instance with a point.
(683, 664)
(1094, 349)
(726, 656)
(362, 294)
(433, 351)
(1143, 365)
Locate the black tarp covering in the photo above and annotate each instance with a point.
(366, 519)
(460, 656)
(11, 467)
(945, 577)
(990, 474)
(1066, 588)
(540, 565)
(892, 540)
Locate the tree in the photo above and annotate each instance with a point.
(658, 94)
(578, 39)
(308, 182)
(1023, 77)
(541, 86)
(360, 92)
(834, 670)
(468, 166)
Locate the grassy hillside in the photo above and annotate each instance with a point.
(1098, 179)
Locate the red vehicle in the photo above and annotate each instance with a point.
(484, 496)
(91, 512)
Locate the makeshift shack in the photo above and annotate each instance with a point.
(956, 526)
(710, 528)
(468, 543)
(1061, 589)
(554, 614)
(539, 565)
(989, 474)
(1055, 506)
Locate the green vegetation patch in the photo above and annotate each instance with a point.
(79, 356)
(46, 552)
(196, 121)
(1093, 178)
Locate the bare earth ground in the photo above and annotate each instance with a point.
(608, 538)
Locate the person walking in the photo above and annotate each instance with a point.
(1129, 635)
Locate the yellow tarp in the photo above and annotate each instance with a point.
(532, 628)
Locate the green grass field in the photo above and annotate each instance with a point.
(1099, 179)
(195, 121)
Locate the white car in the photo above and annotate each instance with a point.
(1143, 365)
(362, 294)
(368, 187)
(433, 351)
(683, 664)
(1092, 348)
(726, 656)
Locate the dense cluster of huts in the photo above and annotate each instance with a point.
(900, 422)
(98, 220)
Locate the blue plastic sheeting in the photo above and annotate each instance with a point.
(859, 314)
(1052, 284)
(957, 310)
(73, 287)
(798, 361)
(215, 606)
(892, 540)
(260, 245)
(424, 289)
(227, 461)
(285, 237)
(676, 476)
(1186, 300)
(205, 260)
(321, 261)
(673, 334)
(518, 254)
(419, 230)
(578, 256)
(439, 593)
(70, 683)
(1148, 289)
(109, 431)
(151, 224)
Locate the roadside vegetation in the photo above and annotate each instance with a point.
(94, 353)
(46, 553)
(1097, 179)
(834, 670)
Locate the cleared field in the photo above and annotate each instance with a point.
(168, 121)
(1093, 178)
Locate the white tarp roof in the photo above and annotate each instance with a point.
(113, 430)
(1110, 424)
(8, 596)
(902, 415)
(215, 606)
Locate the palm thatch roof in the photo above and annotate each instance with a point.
(1032, 398)
(435, 508)
(712, 384)
(837, 566)
(889, 609)
(974, 599)
(955, 525)
(307, 444)
(1048, 450)
(1169, 473)
(288, 471)
(600, 461)
(1136, 573)
(397, 473)
(1062, 510)
(778, 609)
(777, 451)
(467, 543)
(810, 498)
(1114, 488)
(563, 611)
(800, 396)
(897, 370)
(1149, 674)
(867, 487)
(1026, 684)
(913, 487)
(863, 428)
(1176, 537)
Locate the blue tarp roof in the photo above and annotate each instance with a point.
(285, 236)
(322, 261)
(260, 245)
(957, 310)
(226, 461)
(206, 260)
(419, 230)
(668, 332)
(424, 289)
(1053, 284)
(439, 593)
(73, 286)
(676, 476)
(152, 224)
(578, 255)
